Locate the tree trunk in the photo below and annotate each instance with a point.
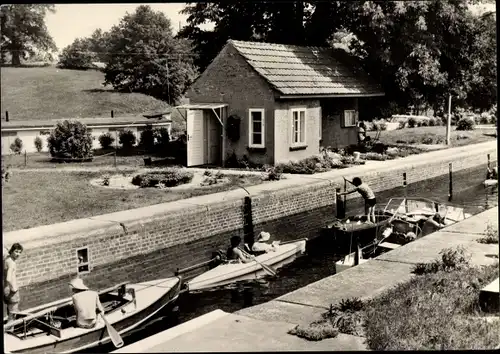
(16, 58)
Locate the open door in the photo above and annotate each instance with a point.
(195, 138)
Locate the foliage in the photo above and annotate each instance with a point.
(162, 138)
(169, 178)
(451, 259)
(466, 124)
(24, 31)
(491, 236)
(438, 311)
(412, 122)
(210, 179)
(271, 174)
(105, 180)
(77, 55)
(17, 146)
(127, 138)
(147, 138)
(70, 140)
(432, 122)
(106, 140)
(379, 125)
(147, 57)
(38, 144)
(6, 174)
(316, 331)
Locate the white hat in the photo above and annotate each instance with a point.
(77, 283)
(264, 236)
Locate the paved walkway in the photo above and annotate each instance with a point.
(264, 327)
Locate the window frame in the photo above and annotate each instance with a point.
(355, 113)
(250, 128)
(292, 130)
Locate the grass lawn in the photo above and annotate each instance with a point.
(419, 134)
(32, 199)
(31, 93)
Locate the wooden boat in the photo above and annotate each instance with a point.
(230, 272)
(343, 231)
(51, 328)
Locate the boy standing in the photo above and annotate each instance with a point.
(10, 290)
(367, 194)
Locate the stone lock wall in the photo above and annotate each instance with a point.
(151, 242)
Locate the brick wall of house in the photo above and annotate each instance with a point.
(230, 79)
(283, 130)
(334, 135)
(150, 242)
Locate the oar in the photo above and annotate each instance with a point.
(267, 268)
(113, 333)
(345, 179)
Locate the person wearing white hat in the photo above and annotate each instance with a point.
(260, 246)
(86, 303)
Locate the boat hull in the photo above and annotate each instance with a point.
(99, 336)
(490, 182)
(225, 274)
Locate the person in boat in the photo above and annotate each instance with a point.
(492, 173)
(87, 304)
(234, 251)
(367, 194)
(261, 246)
(432, 224)
(11, 296)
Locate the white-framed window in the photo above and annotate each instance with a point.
(298, 126)
(256, 131)
(350, 118)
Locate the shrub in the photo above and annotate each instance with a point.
(491, 236)
(419, 123)
(162, 138)
(432, 122)
(465, 124)
(106, 140)
(17, 146)
(485, 118)
(272, 174)
(412, 122)
(105, 180)
(402, 124)
(127, 138)
(373, 156)
(451, 259)
(425, 123)
(169, 178)
(147, 138)
(38, 144)
(379, 125)
(70, 140)
(427, 140)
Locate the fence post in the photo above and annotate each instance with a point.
(340, 205)
(450, 192)
(405, 190)
(25, 159)
(489, 162)
(248, 231)
(6, 116)
(114, 155)
(112, 114)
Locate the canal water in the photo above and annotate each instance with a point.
(317, 263)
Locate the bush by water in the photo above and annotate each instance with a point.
(168, 178)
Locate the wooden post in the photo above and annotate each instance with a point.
(405, 192)
(489, 162)
(448, 122)
(112, 114)
(25, 159)
(248, 230)
(6, 116)
(450, 192)
(114, 158)
(340, 205)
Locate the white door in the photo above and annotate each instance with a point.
(195, 138)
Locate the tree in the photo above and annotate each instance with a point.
(24, 30)
(77, 55)
(70, 140)
(147, 58)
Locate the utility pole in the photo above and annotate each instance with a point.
(448, 121)
(168, 83)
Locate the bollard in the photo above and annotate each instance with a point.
(6, 116)
(112, 114)
(489, 162)
(450, 192)
(25, 159)
(114, 158)
(248, 231)
(405, 191)
(340, 205)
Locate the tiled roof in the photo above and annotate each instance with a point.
(295, 70)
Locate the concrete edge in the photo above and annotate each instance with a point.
(164, 336)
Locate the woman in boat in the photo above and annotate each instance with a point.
(367, 194)
(86, 303)
(261, 246)
(234, 252)
(433, 223)
(10, 290)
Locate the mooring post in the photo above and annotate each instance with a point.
(248, 231)
(114, 158)
(25, 159)
(6, 116)
(405, 190)
(112, 114)
(489, 162)
(450, 192)
(340, 205)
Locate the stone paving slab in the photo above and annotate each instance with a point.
(233, 333)
(475, 224)
(360, 281)
(281, 311)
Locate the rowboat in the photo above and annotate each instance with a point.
(51, 328)
(490, 182)
(229, 272)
